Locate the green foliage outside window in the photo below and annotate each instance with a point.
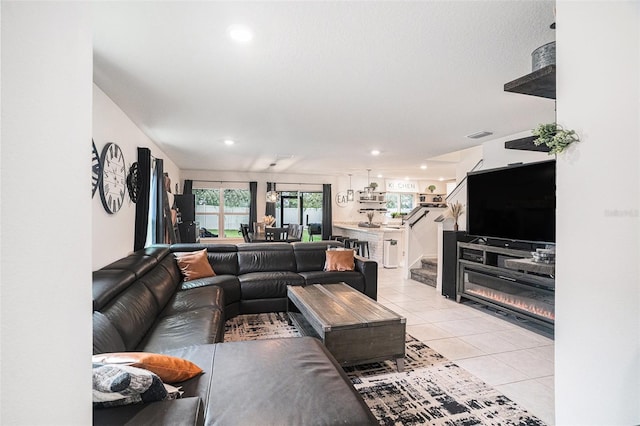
(232, 197)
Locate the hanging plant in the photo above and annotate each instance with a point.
(555, 137)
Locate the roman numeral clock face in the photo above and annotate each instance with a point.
(114, 178)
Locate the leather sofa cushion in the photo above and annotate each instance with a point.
(265, 285)
(107, 283)
(161, 283)
(280, 381)
(353, 278)
(258, 306)
(265, 257)
(190, 300)
(229, 283)
(136, 263)
(105, 336)
(159, 251)
(311, 256)
(204, 325)
(178, 412)
(133, 313)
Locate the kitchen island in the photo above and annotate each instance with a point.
(376, 238)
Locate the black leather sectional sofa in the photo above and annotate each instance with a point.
(141, 303)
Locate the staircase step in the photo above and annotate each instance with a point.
(430, 263)
(424, 276)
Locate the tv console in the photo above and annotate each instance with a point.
(508, 280)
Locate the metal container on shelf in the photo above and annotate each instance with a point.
(543, 56)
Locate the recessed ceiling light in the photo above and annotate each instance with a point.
(375, 152)
(441, 179)
(379, 176)
(229, 142)
(240, 33)
(423, 167)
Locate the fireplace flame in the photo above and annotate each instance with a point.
(539, 308)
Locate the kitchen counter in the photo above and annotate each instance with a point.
(376, 238)
(382, 228)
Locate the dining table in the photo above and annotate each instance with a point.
(270, 235)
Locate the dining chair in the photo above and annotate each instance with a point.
(244, 229)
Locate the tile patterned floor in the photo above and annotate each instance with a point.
(514, 360)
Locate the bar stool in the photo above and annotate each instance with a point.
(362, 247)
(349, 242)
(336, 237)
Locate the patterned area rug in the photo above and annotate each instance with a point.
(432, 390)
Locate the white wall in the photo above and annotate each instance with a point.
(46, 212)
(113, 234)
(468, 159)
(597, 362)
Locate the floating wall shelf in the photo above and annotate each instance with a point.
(526, 144)
(540, 83)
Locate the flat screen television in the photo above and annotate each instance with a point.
(516, 203)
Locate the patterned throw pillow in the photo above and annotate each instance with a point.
(115, 385)
(170, 369)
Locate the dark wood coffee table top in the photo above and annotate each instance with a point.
(340, 306)
(354, 327)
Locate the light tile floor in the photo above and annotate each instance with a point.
(516, 361)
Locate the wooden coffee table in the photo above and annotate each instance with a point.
(355, 328)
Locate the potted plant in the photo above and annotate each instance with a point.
(455, 210)
(373, 186)
(431, 188)
(370, 217)
(555, 137)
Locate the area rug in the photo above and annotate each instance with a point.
(432, 390)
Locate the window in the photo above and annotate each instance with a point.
(399, 202)
(220, 211)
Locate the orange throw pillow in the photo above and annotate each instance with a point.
(194, 265)
(339, 260)
(170, 369)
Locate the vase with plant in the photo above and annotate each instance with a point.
(373, 186)
(431, 188)
(455, 210)
(370, 216)
(555, 137)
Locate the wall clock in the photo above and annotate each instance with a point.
(133, 182)
(96, 171)
(114, 178)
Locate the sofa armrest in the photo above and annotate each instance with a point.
(183, 412)
(369, 269)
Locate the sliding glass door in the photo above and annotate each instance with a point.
(299, 207)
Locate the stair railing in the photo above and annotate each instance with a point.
(459, 185)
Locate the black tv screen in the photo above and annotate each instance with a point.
(516, 203)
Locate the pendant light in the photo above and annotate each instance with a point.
(350, 194)
(368, 189)
(272, 195)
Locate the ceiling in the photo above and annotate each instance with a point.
(322, 83)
